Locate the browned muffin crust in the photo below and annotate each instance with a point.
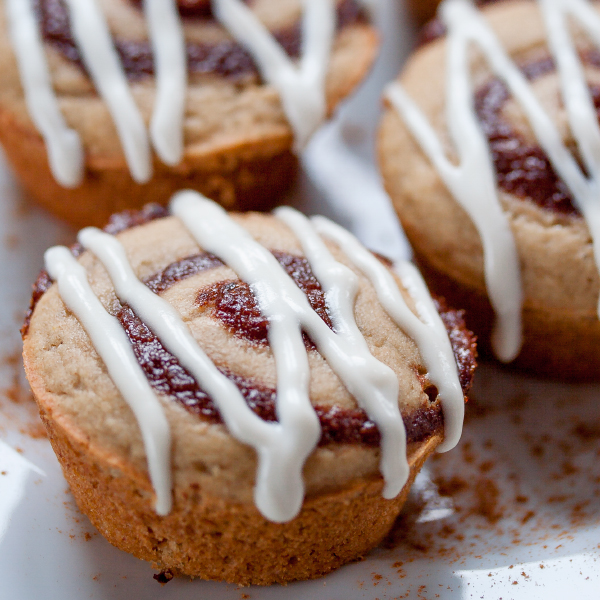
(331, 529)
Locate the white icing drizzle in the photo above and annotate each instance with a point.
(168, 44)
(435, 347)
(471, 183)
(114, 348)
(581, 112)
(301, 87)
(282, 447)
(429, 332)
(94, 41)
(373, 384)
(65, 154)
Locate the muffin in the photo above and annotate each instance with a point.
(98, 131)
(520, 185)
(247, 408)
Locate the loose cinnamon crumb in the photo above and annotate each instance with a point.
(586, 431)
(15, 392)
(487, 494)
(451, 486)
(527, 517)
(486, 466)
(163, 577)
(568, 468)
(36, 431)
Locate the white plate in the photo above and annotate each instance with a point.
(514, 512)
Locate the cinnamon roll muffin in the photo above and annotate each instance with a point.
(242, 397)
(494, 177)
(111, 104)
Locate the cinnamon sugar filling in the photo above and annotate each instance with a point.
(523, 169)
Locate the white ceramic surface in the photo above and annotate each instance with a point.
(513, 513)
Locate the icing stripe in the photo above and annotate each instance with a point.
(429, 334)
(581, 112)
(281, 301)
(65, 154)
(301, 87)
(472, 182)
(114, 349)
(282, 447)
(436, 349)
(168, 44)
(102, 62)
(373, 384)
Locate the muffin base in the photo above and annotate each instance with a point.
(212, 538)
(557, 344)
(251, 177)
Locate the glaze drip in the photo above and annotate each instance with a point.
(64, 144)
(114, 349)
(426, 328)
(300, 84)
(93, 38)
